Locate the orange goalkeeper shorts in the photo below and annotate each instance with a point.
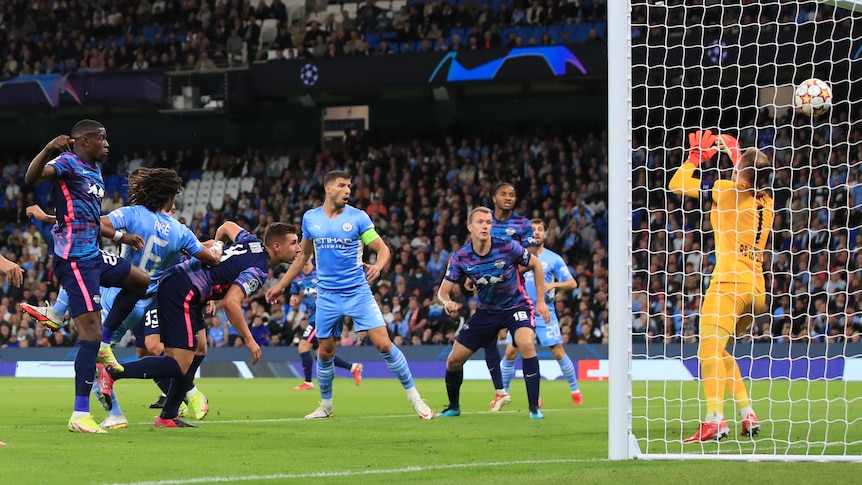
(732, 306)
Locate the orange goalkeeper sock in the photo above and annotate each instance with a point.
(713, 374)
(737, 387)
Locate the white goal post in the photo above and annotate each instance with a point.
(730, 66)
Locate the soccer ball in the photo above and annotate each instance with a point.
(813, 97)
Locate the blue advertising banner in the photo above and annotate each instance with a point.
(36, 91)
(534, 63)
(56, 90)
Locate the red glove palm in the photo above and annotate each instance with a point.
(728, 144)
(702, 145)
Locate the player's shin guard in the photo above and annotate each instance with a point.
(492, 360)
(177, 392)
(325, 374)
(568, 370)
(193, 369)
(85, 370)
(507, 370)
(713, 374)
(532, 378)
(339, 362)
(164, 384)
(61, 306)
(307, 361)
(397, 363)
(123, 305)
(453, 387)
(149, 368)
(737, 385)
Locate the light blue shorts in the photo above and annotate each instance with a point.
(548, 335)
(357, 303)
(135, 316)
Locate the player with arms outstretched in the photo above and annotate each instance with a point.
(304, 287)
(557, 277)
(152, 195)
(337, 233)
(741, 217)
(493, 266)
(183, 293)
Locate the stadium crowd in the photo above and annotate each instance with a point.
(418, 194)
(63, 36)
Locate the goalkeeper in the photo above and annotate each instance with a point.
(741, 217)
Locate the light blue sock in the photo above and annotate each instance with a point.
(398, 365)
(115, 409)
(507, 367)
(325, 374)
(62, 304)
(569, 371)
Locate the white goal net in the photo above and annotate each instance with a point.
(732, 67)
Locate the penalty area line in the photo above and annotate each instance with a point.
(350, 473)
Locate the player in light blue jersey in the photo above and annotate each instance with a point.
(492, 264)
(557, 277)
(336, 234)
(152, 195)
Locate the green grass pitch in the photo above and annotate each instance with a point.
(255, 434)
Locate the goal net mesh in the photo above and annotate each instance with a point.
(732, 67)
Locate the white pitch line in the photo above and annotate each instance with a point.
(350, 473)
(289, 420)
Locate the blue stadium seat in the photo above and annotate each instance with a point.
(523, 33)
(372, 38)
(601, 29)
(556, 33)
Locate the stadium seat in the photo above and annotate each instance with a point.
(205, 185)
(193, 184)
(200, 206)
(268, 31)
(189, 204)
(233, 187)
(247, 184)
(217, 200)
(189, 193)
(372, 38)
(219, 186)
(208, 175)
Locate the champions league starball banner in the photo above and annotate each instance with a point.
(57, 90)
(527, 63)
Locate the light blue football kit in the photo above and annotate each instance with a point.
(342, 287)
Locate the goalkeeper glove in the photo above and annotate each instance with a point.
(729, 145)
(702, 145)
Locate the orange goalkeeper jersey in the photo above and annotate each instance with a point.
(741, 221)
